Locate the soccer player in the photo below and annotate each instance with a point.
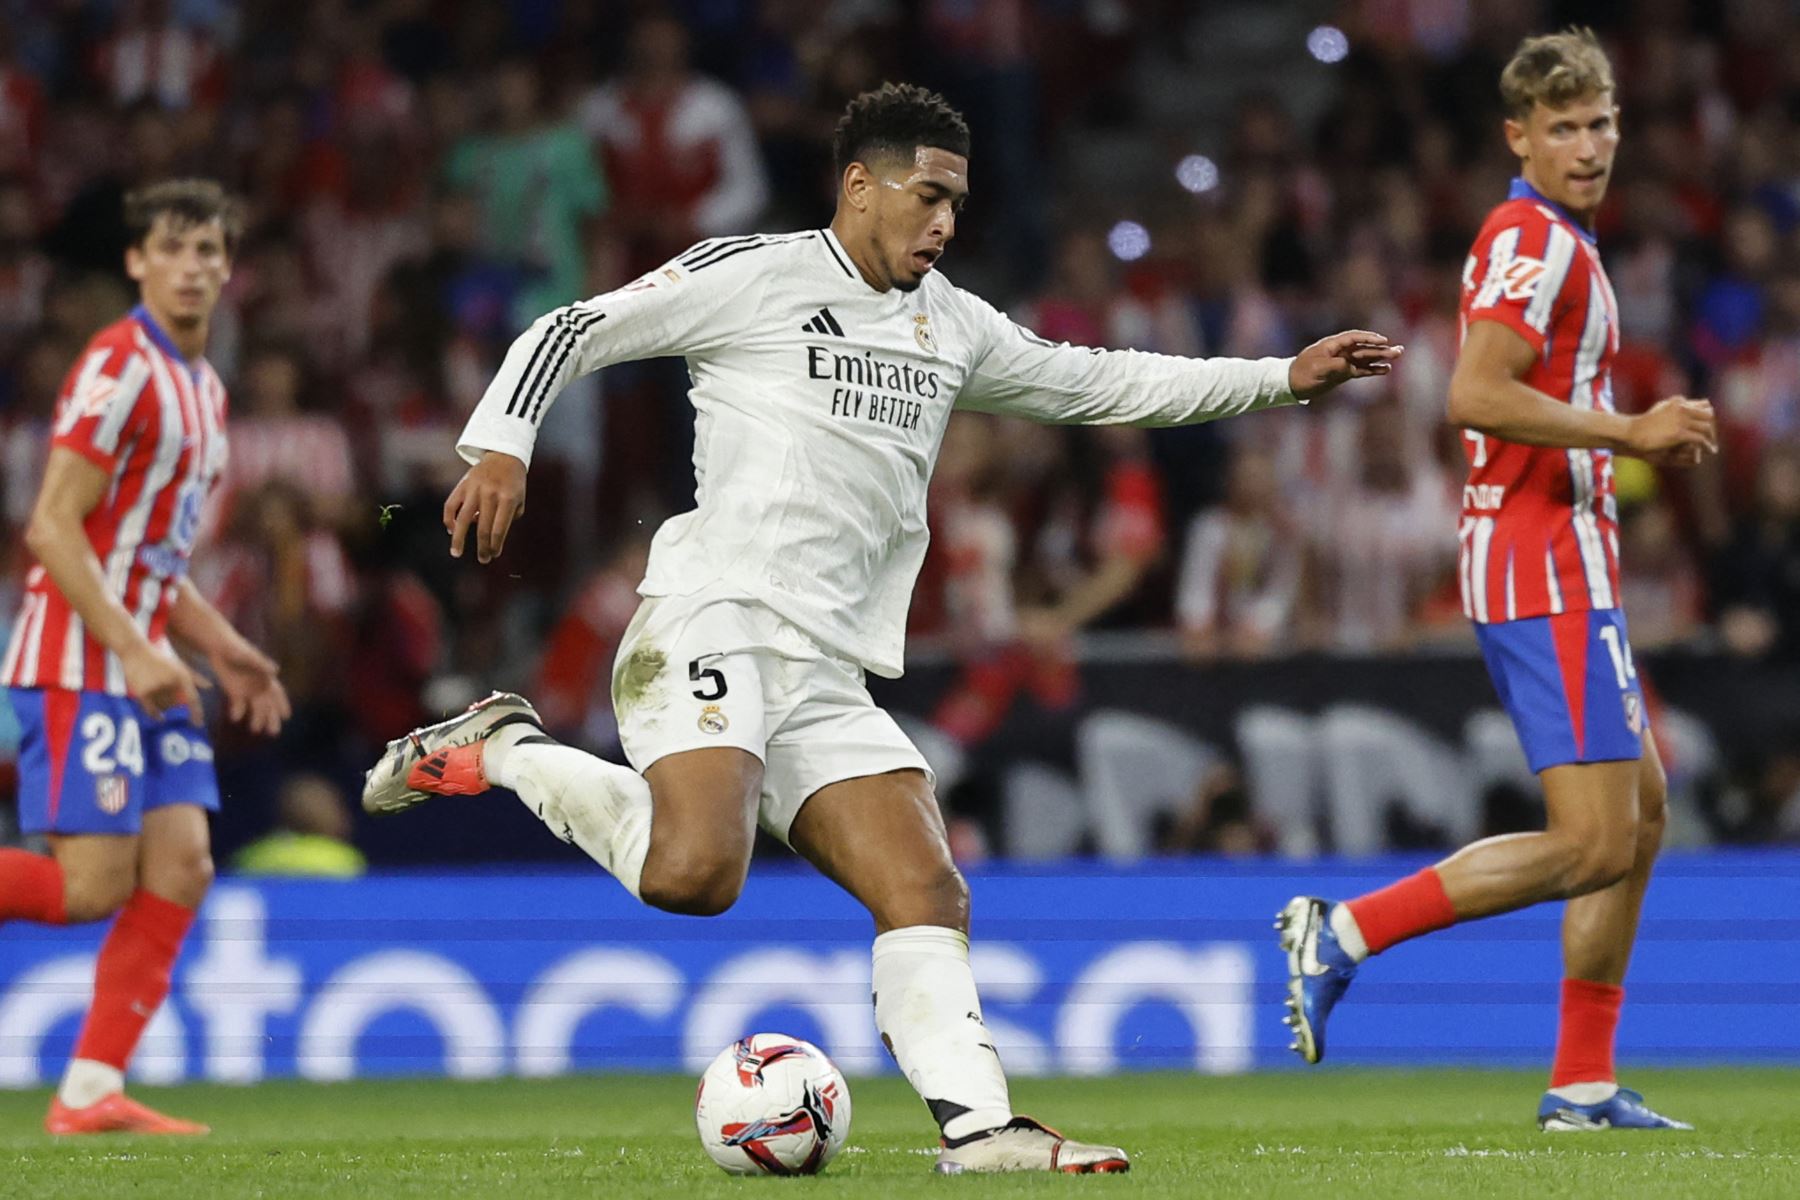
(114, 764)
(1532, 391)
(825, 366)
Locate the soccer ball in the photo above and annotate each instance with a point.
(772, 1105)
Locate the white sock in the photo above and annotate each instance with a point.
(1586, 1093)
(86, 1082)
(1349, 933)
(602, 807)
(930, 1018)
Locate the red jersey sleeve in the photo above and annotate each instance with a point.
(104, 405)
(1518, 271)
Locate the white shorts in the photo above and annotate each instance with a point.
(695, 672)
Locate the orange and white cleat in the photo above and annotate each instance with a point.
(442, 759)
(117, 1113)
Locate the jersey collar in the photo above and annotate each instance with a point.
(1522, 190)
(160, 336)
(841, 257)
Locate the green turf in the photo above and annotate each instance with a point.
(1334, 1133)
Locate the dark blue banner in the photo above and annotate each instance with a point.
(1084, 970)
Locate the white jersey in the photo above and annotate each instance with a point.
(820, 405)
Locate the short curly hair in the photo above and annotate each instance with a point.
(1555, 69)
(894, 120)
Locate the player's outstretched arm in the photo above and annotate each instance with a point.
(490, 496)
(57, 537)
(1488, 395)
(1018, 373)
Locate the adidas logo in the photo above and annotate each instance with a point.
(824, 323)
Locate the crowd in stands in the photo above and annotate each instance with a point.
(424, 177)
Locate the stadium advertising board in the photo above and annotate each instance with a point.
(1084, 970)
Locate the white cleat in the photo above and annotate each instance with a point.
(442, 759)
(1023, 1144)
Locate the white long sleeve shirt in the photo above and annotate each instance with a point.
(820, 405)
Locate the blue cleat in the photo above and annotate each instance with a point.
(1319, 971)
(1625, 1110)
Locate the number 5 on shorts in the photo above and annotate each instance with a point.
(715, 680)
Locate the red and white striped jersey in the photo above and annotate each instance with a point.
(134, 407)
(1540, 531)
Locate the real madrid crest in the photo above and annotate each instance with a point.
(922, 332)
(712, 720)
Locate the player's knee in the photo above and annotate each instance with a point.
(181, 873)
(937, 895)
(697, 884)
(1602, 863)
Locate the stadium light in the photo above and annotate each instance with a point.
(1128, 241)
(1328, 44)
(1197, 173)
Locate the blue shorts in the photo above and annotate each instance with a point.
(1569, 685)
(94, 763)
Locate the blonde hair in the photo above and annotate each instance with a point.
(1554, 69)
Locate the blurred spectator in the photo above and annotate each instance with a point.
(1658, 577)
(285, 583)
(679, 150)
(1729, 308)
(1220, 820)
(24, 270)
(273, 440)
(1240, 571)
(573, 692)
(397, 638)
(1758, 393)
(151, 56)
(537, 185)
(1379, 543)
(1086, 306)
(1758, 573)
(1100, 543)
(974, 554)
(311, 838)
(23, 111)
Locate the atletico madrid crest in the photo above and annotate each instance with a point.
(111, 793)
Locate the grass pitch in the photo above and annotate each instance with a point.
(1334, 1134)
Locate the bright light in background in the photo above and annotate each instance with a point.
(1328, 44)
(1197, 173)
(1128, 241)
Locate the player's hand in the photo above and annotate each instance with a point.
(1675, 432)
(160, 681)
(1353, 354)
(490, 496)
(253, 691)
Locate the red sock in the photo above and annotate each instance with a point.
(132, 976)
(31, 888)
(1584, 1035)
(1403, 909)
